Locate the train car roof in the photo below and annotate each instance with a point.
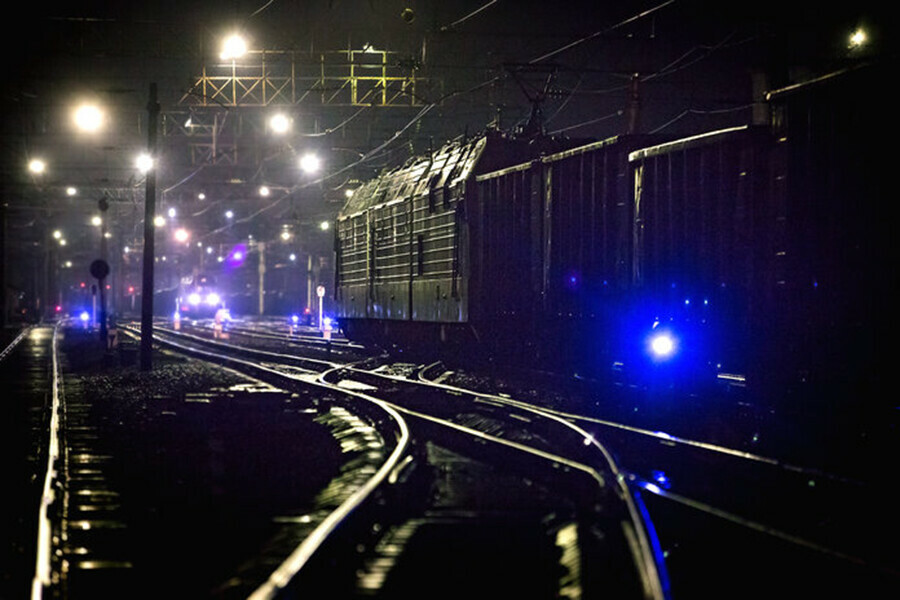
(581, 148)
(835, 77)
(686, 143)
(453, 162)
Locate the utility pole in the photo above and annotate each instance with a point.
(149, 214)
(103, 205)
(262, 277)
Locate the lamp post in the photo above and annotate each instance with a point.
(149, 211)
(103, 205)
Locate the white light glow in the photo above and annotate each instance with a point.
(310, 163)
(182, 235)
(662, 345)
(88, 118)
(37, 166)
(234, 47)
(144, 163)
(280, 123)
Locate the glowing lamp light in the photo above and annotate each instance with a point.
(234, 47)
(194, 298)
(84, 316)
(295, 319)
(858, 38)
(37, 166)
(212, 299)
(144, 163)
(182, 235)
(280, 123)
(310, 163)
(88, 118)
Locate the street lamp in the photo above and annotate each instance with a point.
(310, 163)
(144, 163)
(88, 118)
(182, 235)
(858, 38)
(234, 47)
(280, 123)
(37, 166)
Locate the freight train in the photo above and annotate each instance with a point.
(757, 255)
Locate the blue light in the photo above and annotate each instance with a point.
(237, 256)
(295, 319)
(84, 316)
(662, 345)
(661, 479)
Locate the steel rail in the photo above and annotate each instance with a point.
(644, 546)
(42, 579)
(282, 576)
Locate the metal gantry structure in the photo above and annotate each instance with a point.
(349, 77)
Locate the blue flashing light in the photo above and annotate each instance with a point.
(661, 479)
(84, 316)
(237, 256)
(295, 319)
(662, 345)
(573, 280)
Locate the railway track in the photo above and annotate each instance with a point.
(482, 479)
(805, 517)
(517, 503)
(808, 517)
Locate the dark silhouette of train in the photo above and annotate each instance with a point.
(757, 254)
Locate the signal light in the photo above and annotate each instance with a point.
(662, 345)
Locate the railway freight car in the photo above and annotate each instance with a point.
(402, 244)
(755, 251)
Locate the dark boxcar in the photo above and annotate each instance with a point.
(767, 245)
(703, 244)
(835, 270)
(550, 253)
